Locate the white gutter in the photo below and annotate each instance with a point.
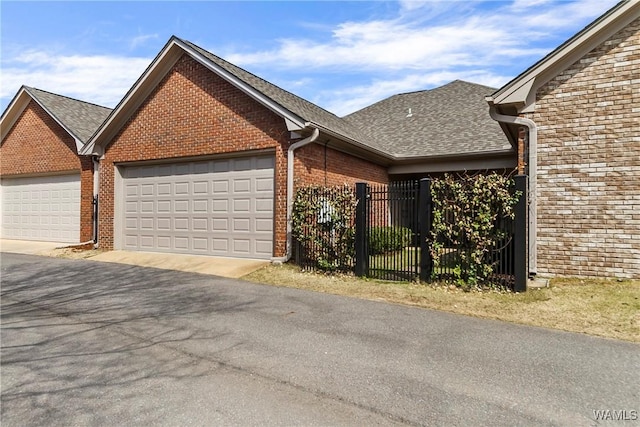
(290, 168)
(533, 178)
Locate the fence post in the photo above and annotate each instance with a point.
(520, 235)
(361, 267)
(425, 218)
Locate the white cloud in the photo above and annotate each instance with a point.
(433, 42)
(562, 15)
(99, 79)
(420, 45)
(450, 41)
(345, 101)
(141, 39)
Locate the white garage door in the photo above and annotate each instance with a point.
(219, 207)
(43, 208)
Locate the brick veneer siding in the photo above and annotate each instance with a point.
(589, 163)
(38, 145)
(193, 112)
(318, 165)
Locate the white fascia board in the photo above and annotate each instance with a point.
(133, 99)
(294, 122)
(521, 91)
(452, 164)
(18, 105)
(152, 76)
(13, 111)
(517, 94)
(351, 141)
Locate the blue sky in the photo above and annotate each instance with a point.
(342, 56)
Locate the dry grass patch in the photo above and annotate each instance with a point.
(605, 308)
(72, 253)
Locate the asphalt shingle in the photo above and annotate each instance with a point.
(449, 120)
(79, 117)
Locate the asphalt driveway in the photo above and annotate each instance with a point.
(90, 343)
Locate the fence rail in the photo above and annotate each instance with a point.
(392, 239)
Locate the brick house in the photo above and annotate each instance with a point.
(201, 156)
(575, 116)
(46, 187)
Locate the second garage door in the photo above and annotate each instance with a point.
(218, 207)
(43, 208)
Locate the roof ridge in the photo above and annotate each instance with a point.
(31, 88)
(567, 42)
(232, 65)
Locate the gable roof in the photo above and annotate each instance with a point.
(310, 113)
(521, 91)
(297, 112)
(79, 119)
(446, 121)
(419, 136)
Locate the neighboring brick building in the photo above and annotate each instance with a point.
(47, 188)
(584, 100)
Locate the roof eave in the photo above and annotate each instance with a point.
(381, 156)
(520, 91)
(485, 160)
(152, 76)
(17, 105)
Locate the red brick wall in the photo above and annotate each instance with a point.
(318, 165)
(193, 112)
(589, 163)
(38, 145)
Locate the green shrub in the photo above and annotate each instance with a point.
(466, 213)
(388, 239)
(323, 223)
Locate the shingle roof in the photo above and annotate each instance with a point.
(295, 104)
(452, 119)
(79, 117)
(448, 120)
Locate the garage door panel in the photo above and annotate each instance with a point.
(242, 205)
(220, 246)
(200, 244)
(242, 185)
(163, 189)
(164, 223)
(41, 208)
(241, 225)
(216, 207)
(220, 187)
(264, 225)
(200, 225)
(220, 224)
(264, 247)
(220, 206)
(163, 206)
(201, 206)
(241, 246)
(264, 206)
(201, 187)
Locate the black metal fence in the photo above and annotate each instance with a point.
(326, 237)
(392, 231)
(392, 239)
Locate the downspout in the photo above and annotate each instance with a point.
(533, 178)
(96, 184)
(290, 168)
